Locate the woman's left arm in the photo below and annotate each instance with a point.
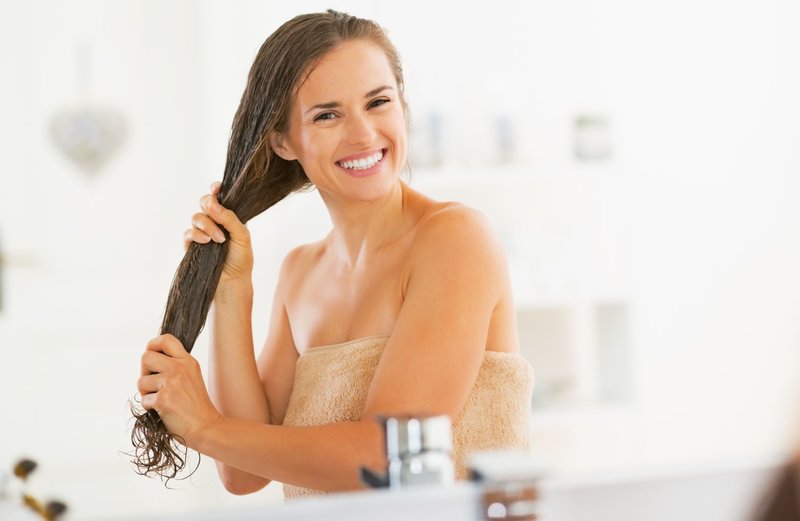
(429, 365)
(457, 277)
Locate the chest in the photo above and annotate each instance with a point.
(330, 305)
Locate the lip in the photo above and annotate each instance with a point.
(374, 169)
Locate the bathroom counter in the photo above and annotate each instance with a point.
(721, 492)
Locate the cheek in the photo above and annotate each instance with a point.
(401, 128)
(312, 146)
(401, 135)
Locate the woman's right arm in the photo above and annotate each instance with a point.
(241, 386)
(237, 383)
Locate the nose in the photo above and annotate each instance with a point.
(360, 130)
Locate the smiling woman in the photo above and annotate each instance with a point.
(405, 307)
(358, 129)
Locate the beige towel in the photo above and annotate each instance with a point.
(331, 385)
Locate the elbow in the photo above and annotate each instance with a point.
(241, 483)
(238, 488)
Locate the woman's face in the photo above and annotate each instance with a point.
(347, 125)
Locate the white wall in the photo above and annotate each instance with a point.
(702, 97)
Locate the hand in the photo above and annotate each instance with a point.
(206, 227)
(171, 383)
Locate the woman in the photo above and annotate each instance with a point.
(405, 307)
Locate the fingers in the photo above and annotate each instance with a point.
(223, 216)
(206, 228)
(154, 362)
(165, 358)
(149, 401)
(171, 381)
(207, 202)
(169, 345)
(151, 383)
(203, 231)
(191, 236)
(215, 223)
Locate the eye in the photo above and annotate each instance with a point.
(324, 116)
(378, 102)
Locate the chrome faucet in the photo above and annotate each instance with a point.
(418, 452)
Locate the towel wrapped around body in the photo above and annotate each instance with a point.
(331, 385)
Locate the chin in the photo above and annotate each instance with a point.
(375, 191)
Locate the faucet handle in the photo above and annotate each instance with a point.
(372, 479)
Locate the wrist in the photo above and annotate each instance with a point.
(201, 438)
(234, 289)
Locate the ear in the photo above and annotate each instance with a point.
(281, 147)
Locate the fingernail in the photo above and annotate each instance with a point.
(219, 236)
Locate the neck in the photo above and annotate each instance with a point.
(362, 228)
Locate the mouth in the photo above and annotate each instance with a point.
(361, 165)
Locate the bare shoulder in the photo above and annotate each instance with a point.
(451, 228)
(297, 263)
(455, 240)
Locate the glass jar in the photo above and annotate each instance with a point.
(509, 485)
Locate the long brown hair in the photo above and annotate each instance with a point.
(255, 178)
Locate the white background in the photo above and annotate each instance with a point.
(702, 197)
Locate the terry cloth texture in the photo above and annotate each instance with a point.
(331, 385)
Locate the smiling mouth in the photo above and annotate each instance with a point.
(364, 163)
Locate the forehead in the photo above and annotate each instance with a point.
(350, 70)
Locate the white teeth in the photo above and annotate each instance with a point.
(364, 163)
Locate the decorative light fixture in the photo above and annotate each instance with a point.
(87, 135)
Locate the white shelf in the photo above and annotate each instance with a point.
(491, 174)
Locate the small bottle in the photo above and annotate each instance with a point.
(509, 484)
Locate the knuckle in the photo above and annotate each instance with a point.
(198, 236)
(198, 220)
(225, 213)
(172, 339)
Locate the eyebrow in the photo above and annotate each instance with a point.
(334, 104)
